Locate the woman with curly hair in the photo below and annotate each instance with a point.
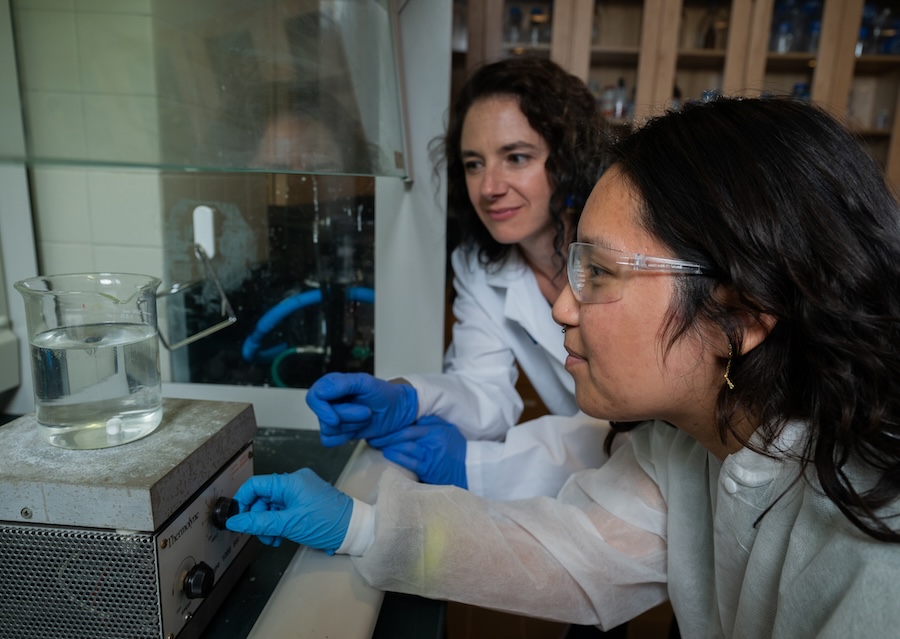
(524, 145)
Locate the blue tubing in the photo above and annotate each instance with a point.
(361, 294)
(286, 307)
(272, 318)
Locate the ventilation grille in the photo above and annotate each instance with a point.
(65, 583)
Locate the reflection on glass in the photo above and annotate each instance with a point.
(201, 303)
(195, 85)
(273, 116)
(304, 130)
(297, 265)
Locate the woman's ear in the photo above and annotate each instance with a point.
(755, 330)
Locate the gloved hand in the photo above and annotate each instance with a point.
(299, 506)
(360, 406)
(432, 448)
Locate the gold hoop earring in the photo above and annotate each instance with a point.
(728, 367)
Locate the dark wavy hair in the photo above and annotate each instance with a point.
(563, 111)
(795, 220)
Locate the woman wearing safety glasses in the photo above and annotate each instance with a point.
(734, 301)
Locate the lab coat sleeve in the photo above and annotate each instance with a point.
(537, 457)
(477, 390)
(594, 555)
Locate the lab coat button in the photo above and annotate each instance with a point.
(731, 486)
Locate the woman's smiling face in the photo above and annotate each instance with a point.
(619, 352)
(506, 178)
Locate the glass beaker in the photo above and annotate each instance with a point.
(94, 357)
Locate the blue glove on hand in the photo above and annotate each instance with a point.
(359, 406)
(432, 448)
(299, 506)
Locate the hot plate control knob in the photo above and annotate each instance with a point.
(222, 510)
(199, 581)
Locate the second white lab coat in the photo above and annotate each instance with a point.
(743, 548)
(501, 318)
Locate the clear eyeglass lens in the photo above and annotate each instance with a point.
(592, 274)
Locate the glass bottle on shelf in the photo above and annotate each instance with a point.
(880, 30)
(539, 20)
(812, 43)
(785, 23)
(512, 31)
(807, 26)
(784, 38)
(713, 28)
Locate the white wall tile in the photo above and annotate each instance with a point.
(61, 204)
(128, 259)
(125, 208)
(137, 115)
(116, 52)
(48, 53)
(56, 258)
(19, 5)
(140, 7)
(55, 128)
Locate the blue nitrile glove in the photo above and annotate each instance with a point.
(299, 506)
(360, 406)
(432, 448)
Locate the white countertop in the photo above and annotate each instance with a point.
(322, 596)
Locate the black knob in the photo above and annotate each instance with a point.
(199, 581)
(222, 510)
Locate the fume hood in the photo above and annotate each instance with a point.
(136, 131)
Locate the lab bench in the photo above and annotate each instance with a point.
(285, 450)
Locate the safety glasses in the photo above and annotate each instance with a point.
(597, 274)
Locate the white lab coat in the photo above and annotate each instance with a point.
(663, 518)
(501, 318)
(537, 457)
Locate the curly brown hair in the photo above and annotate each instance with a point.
(563, 111)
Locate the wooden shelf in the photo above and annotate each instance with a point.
(614, 56)
(651, 43)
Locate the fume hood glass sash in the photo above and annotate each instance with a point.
(210, 85)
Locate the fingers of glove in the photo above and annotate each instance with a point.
(265, 524)
(334, 386)
(256, 490)
(324, 392)
(408, 434)
(352, 415)
(276, 491)
(321, 408)
(393, 405)
(352, 420)
(330, 441)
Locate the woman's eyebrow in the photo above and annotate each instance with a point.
(518, 146)
(506, 148)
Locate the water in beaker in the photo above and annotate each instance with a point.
(94, 357)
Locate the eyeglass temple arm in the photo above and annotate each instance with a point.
(640, 262)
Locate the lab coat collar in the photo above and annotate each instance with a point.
(525, 305)
(752, 470)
